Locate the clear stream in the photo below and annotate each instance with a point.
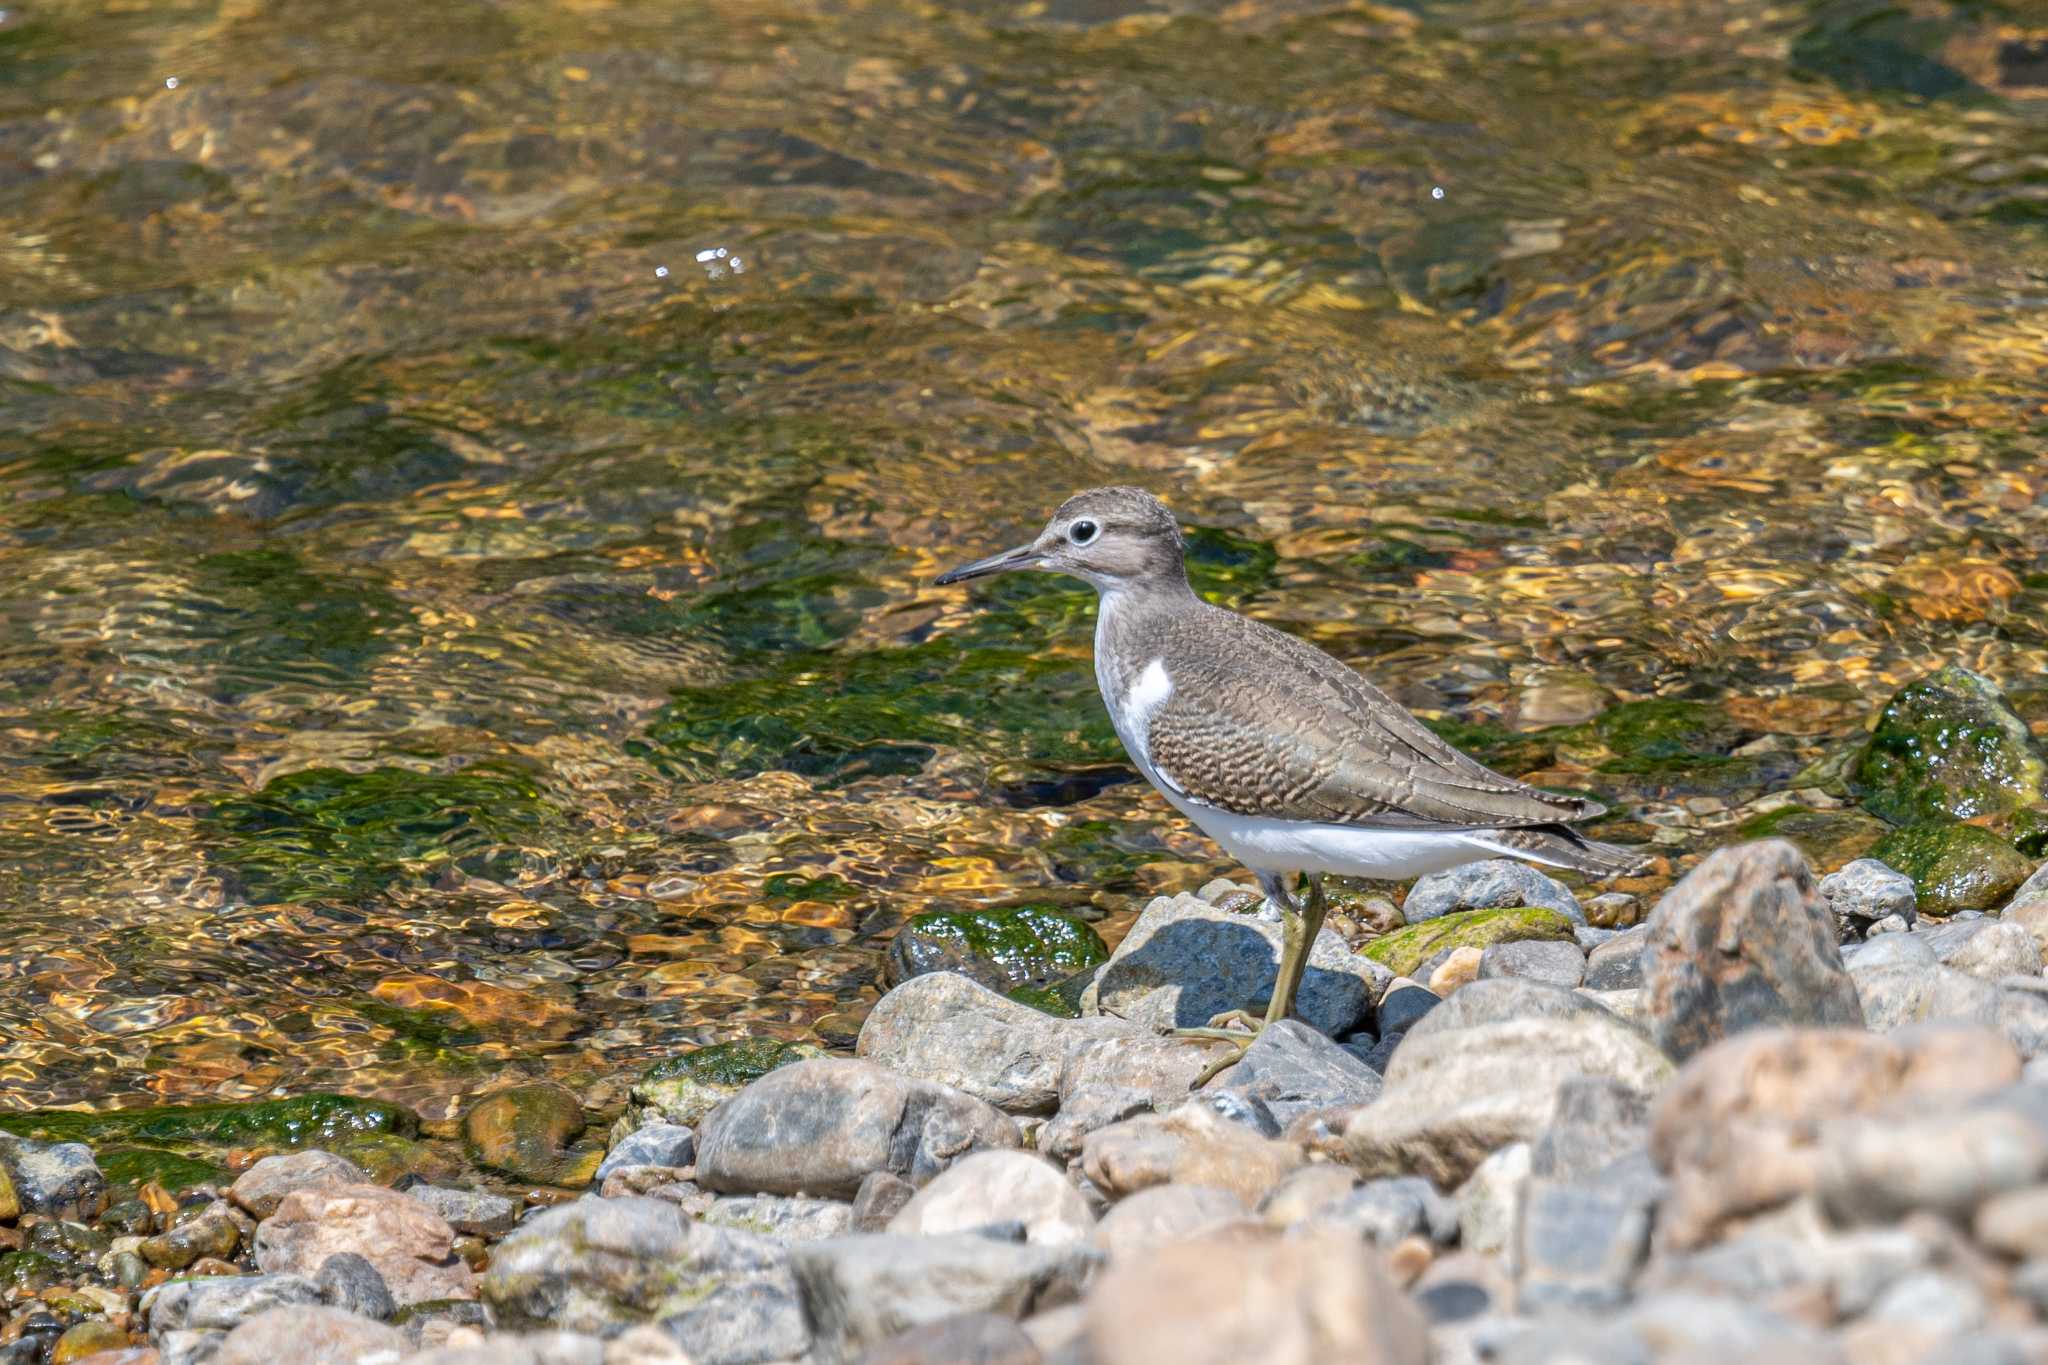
(470, 474)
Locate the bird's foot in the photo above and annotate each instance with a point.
(1220, 1030)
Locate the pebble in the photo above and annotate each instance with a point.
(1161, 1215)
(1192, 1146)
(651, 1144)
(782, 1217)
(1291, 1069)
(262, 1187)
(1617, 964)
(1987, 949)
(1556, 964)
(988, 1188)
(308, 1333)
(410, 1245)
(473, 1211)
(50, 1177)
(1865, 892)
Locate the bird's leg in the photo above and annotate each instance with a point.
(1298, 939)
(1275, 888)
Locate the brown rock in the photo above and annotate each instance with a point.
(1163, 1215)
(2016, 1224)
(1740, 1129)
(260, 1188)
(1248, 1293)
(410, 1245)
(1461, 968)
(525, 1131)
(1190, 1146)
(307, 1334)
(1744, 942)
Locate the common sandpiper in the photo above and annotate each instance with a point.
(1285, 756)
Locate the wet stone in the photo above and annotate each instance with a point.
(682, 1090)
(1002, 949)
(1955, 867)
(1948, 747)
(1403, 1006)
(50, 1177)
(1743, 942)
(188, 1242)
(525, 1132)
(1496, 884)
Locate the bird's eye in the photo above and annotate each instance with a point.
(1081, 532)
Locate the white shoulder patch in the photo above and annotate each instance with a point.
(1152, 690)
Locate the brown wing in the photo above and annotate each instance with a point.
(1283, 730)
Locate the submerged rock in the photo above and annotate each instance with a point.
(820, 1127)
(525, 1132)
(1948, 747)
(1404, 951)
(1186, 961)
(1743, 942)
(1496, 884)
(1003, 949)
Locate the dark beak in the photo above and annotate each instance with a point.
(1023, 557)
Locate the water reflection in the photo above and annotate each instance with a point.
(473, 476)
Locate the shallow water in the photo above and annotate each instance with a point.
(470, 474)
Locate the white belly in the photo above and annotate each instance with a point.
(1268, 845)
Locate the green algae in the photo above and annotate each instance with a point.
(1954, 866)
(1948, 747)
(300, 1121)
(684, 1089)
(326, 831)
(1405, 950)
(153, 1165)
(1643, 734)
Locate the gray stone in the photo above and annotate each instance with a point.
(1186, 961)
(51, 1177)
(1851, 1268)
(1386, 1210)
(1891, 950)
(221, 1302)
(308, 1335)
(1162, 1215)
(2034, 888)
(1896, 996)
(1617, 965)
(946, 1029)
(882, 1196)
(1307, 1192)
(1163, 1069)
(1558, 964)
(1490, 1200)
(262, 1187)
(2030, 1285)
(1579, 1245)
(349, 1282)
(1930, 1301)
(1985, 948)
(541, 1348)
(990, 1188)
(1505, 998)
(1086, 1110)
(1879, 1169)
(1866, 891)
(1498, 883)
(782, 1217)
(651, 1144)
(1453, 1096)
(1191, 1145)
(1292, 1069)
(747, 1323)
(963, 1339)
(1597, 1122)
(597, 1264)
(1743, 942)
(188, 1348)
(477, 1212)
(819, 1127)
(411, 1246)
(859, 1292)
(2023, 1014)
(1402, 1007)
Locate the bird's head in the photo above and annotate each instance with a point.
(1112, 537)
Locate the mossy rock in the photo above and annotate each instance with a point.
(1061, 999)
(684, 1089)
(30, 1272)
(317, 1120)
(388, 1158)
(153, 1165)
(1948, 747)
(1405, 950)
(1024, 945)
(1644, 732)
(1954, 866)
(10, 1198)
(526, 1132)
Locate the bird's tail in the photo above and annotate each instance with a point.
(1563, 846)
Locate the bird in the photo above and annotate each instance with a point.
(1286, 757)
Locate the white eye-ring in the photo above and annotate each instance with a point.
(1081, 532)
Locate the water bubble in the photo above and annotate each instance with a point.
(1436, 191)
(170, 82)
(709, 254)
(661, 272)
(739, 267)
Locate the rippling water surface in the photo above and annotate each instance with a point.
(470, 474)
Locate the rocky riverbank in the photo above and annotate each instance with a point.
(1781, 1115)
